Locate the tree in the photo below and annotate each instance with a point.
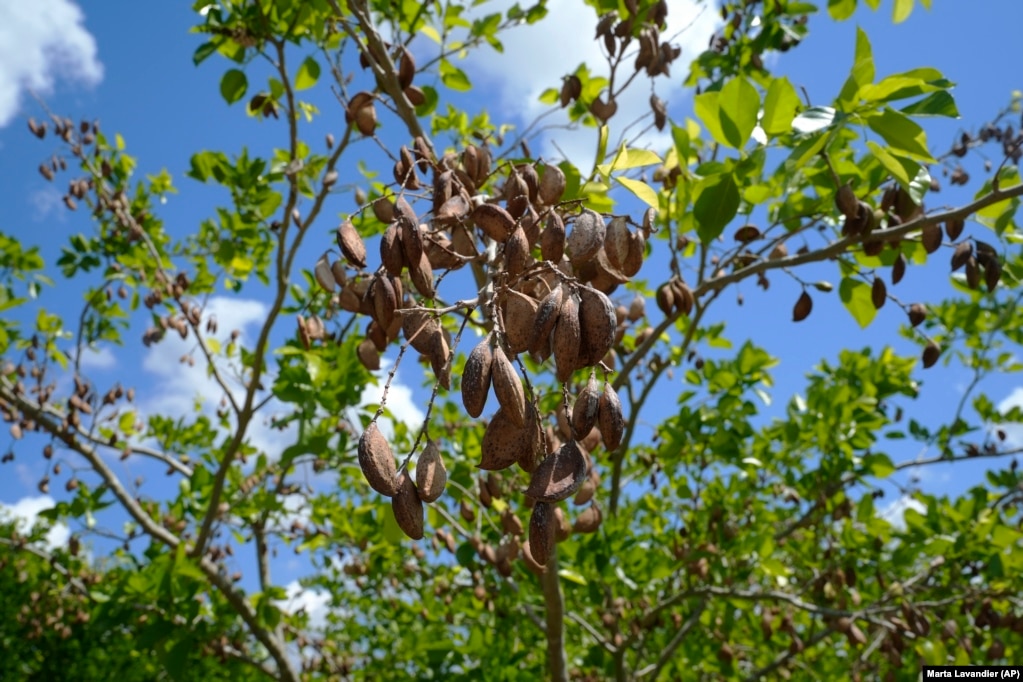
(564, 543)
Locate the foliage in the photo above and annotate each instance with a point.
(736, 542)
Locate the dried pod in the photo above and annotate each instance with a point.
(610, 418)
(505, 443)
(571, 89)
(899, 268)
(962, 253)
(917, 314)
(519, 316)
(846, 201)
(560, 475)
(636, 310)
(802, 308)
(665, 299)
(476, 378)
(588, 521)
(931, 354)
(597, 325)
(415, 95)
(542, 531)
(992, 273)
(440, 360)
(508, 387)
(431, 476)
(954, 228)
(878, 293)
(616, 241)
(584, 412)
(324, 275)
(392, 253)
(586, 237)
(411, 240)
(552, 185)
(747, 233)
(546, 319)
(552, 239)
(637, 250)
(369, 356)
(930, 237)
(351, 245)
(516, 253)
(383, 209)
(452, 210)
(377, 461)
(495, 222)
(420, 328)
(422, 277)
(406, 69)
(972, 273)
(684, 299)
(408, 507)
(366, 119)
(337, 271)
(568, 339)
(382, 293)
(563, 529)
(585, 492)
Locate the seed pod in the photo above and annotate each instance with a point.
(899, 268)
(337, 271)
(411, 240)
(567, 339)
(586, 237)
(516, 253)
(747, 233)
(878, 293)
(954, 228)
(508, 387)
(560, 475)
(542, 529)
(597, 324)
(406, 69)
(366, 119)
(383, 209)
(636, 310)
(992, 273)
(846, 202)
(917, 314)
(552, 239)
(930, 237)
(351, 244)
(588, 521)
(369, 356)
(420, 328)
(392, 253)
(802, 308)
(385, 302)
(377, 461)
(324, 275)
(519, 315)
(546, 318)
(584, 412)
(476, 378)
(684, 300)
(552, 185)
(634, 259)
(506, 443)
(585, 492)
(431, 476)
(610, 418)
(408, 507)
(440, 360)
(616, 241)
(422, 277)
(963, 252)
(495, 222)
(665, 299)
(972, 273)
(931, 354)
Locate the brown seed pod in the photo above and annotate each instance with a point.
(802, 308)
(878, 293)
(516, 253)
(420, 328)
(931, 354)
(846, 201)
(392, 253)
(377, 461)
(411, 240)
(568, 339)
(597, 324)
(337, 271)
(452, 210)
(610, 418)
(440, 360)
(665, 299)
(684, 300)
(542, 531)
(506, 443)
(422, 277)
(584, 412)
(560, 475)
(552, 239)
(585, 492)
(406, 69)
(963, 252)
(747, 233)
(589, 520)
(917, 314)
(552, 185)
(637, 250)
(616, 241)
(324, 275)
(383, 210)
(930, 237)
(351, 244)
(508, 387)
(408, 507)
(546, 318)
(495, 222)
(586, 237)
(369, 356)
(366, 119)
(476, 378)
(519, 315)
(992, 273)
(431, 476)
(972, 273)
(954, 228)
(899, 268)
(382, 293)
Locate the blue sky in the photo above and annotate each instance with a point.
(129, 65)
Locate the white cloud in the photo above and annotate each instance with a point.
(895, 512)
(41, 41)
(1013, 432)
(313, 602)
(400, 401)
(47, 203)
(536, 57)
(26, 512)
(98, 359)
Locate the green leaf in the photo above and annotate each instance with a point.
(643, 191)
(453, 77)
(840, 10)
(233, 85)
(717, 202)
(708, 111)
(855, 296)
(862, 71)
(936, 104)
(890, 163)
(739, 103)
(902, 134)
(814, 119)
(572, 576)
(901, 10)
(308, 74)
(202, 52)
(780, 106)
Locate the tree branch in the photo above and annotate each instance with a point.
(557, 664)
(655, 669)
